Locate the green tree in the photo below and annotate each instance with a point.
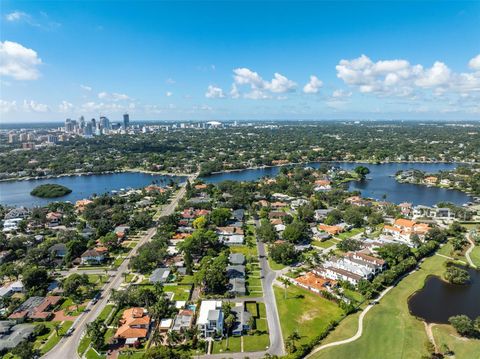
(463, 325)
(362, 171)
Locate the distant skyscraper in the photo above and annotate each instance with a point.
(94, 123)
(88, 131)
(104, 122)
(126, 120)
(69, 125)
(81, 121)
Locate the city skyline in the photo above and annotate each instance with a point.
(231, 61)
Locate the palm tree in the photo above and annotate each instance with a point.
(292, 339)
(286, 284)
(56, 327)
(228, 324)
(172, 337)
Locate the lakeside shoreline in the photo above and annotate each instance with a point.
(332, 161)
(79, 174)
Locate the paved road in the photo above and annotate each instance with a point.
(269, 276)
(67, 347)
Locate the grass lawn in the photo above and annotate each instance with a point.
(255, 342)
(325, 244)
(118, 261)
(132, 354)
(249, 250)
(352, 294)
(254, 282)
(186, 279)
(83, 346)
(54, 339)
(92, 354)
(463, 348)
(475, 256)
(129, 278)
(389, 331)
(220, 346)
(305, 312)
(274, 265)
(106, 312)
(181, 292)
(351, 233)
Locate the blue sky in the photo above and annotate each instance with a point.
(240, 60)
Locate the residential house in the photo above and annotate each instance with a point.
(58, 250)
(11, 334)
(242, 319)
(160, 275)
(404, 230)
(236, 258)
(92, 256)
(237, 286)
(54, 219)
(134, 326)
(36, 308)
(233, 240)
(210, 318)
(183, 321)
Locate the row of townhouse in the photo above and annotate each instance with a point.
(352, 267)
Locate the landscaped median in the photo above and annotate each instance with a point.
(389, 330)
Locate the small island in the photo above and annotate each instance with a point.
(50, 190)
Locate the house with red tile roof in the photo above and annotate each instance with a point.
(134, 326)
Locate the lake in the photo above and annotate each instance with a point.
(438, 300)
(17, 193)
(381, 183)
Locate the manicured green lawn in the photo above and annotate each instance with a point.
(54, 339)
(274, 265)
(351, 233)
(84, 343)
(234, 345)
(92, 354)
(181, 292)
(106, 312)
(462, 347)
(475, 256)
(325, 244)
(249, 250)
(186, 279)
(389, 331)
(132, 354)
(305, 312)
(255, 342)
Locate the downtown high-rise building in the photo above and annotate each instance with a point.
(126, 120)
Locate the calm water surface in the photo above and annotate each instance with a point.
(380, 182)
(17, 193)
(438, 300)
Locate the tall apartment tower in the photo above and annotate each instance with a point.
(126, 120)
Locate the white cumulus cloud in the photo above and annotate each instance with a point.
(214, 92)
(7, 106)
(18, 62)
(65, 107)
(16, 16)
(33, 106)
(400, 78)
(260, 88)
(313, 85)
(474, 63)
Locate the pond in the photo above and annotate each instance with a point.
(438, 300)
(17, 193)
(380, 182)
